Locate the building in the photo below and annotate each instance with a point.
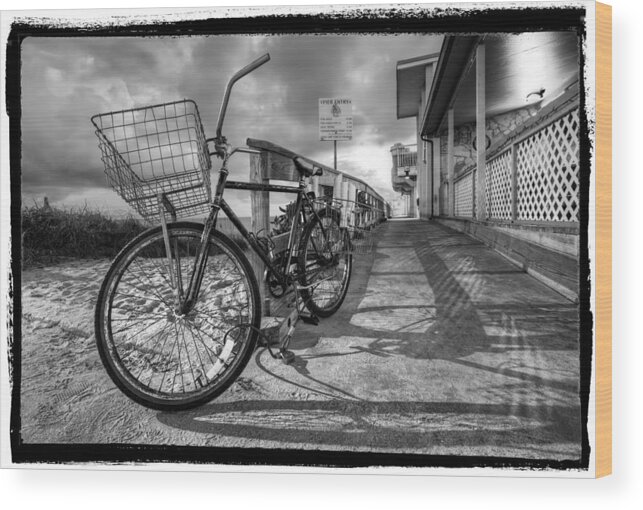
(404, 175)
(518, 190)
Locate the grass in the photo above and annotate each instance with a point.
(51, 234)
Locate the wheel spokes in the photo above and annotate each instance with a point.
(166, 353)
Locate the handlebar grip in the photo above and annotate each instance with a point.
(260, 61)
(237, 76)
(251, 67)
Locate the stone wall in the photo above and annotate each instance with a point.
(497, 128)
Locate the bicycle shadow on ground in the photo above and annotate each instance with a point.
(393, 426)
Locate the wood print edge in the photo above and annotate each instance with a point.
(603, 240)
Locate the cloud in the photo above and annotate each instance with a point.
(66, 81)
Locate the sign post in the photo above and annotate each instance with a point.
(335, 121)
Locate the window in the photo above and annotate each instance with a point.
(326, 191)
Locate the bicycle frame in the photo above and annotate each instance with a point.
(218, 204)
(202, 314)
(184, 304)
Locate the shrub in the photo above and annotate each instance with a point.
(50, 234)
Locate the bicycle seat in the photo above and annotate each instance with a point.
(305, 168)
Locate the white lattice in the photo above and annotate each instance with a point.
(547, 172)
(498, 186)
(464, 200)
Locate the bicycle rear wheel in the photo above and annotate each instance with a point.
(325, 263)
(157, 356)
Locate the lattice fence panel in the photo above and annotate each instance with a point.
(547, 172)
(464, 199)
(498, 187)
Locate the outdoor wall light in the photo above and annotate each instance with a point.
(540, 93)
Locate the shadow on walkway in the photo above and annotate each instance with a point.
(440, 346)
(394, 426)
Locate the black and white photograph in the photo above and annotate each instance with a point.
(302, 237)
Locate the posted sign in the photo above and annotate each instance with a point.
(335, 119)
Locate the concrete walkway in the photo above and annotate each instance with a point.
(441, 347)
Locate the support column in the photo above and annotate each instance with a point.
(427, 186)
(481, 133)
(421, 168)
(412, 200)
(451, 162)
(436, 176)
(429, 167)
(315, 186)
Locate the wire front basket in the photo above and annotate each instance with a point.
(157, 149)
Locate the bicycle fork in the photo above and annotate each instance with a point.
(173, 266)
(202, 256)
(184, 301)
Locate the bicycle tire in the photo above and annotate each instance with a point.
(222, 328)
(326, 260)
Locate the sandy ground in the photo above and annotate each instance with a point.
(441, 347)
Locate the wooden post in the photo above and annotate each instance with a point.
(260, 216)
(451, 162)
(345, 187)
(337, 186)
(350, 208)
(335, 152)
(436, 176)
(481, 132)
(316, 188)
(428, 167)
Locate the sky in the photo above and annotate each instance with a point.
(67, 80)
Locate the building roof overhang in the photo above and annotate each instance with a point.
(521, 69)
(456, 57)
(411, 74)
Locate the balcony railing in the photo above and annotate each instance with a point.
(404, 170)
(404, 160)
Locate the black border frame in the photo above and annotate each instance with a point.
(479, 19)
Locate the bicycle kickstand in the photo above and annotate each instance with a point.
(287, 356)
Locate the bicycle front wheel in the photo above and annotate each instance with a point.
(158, 356)
(324, 263)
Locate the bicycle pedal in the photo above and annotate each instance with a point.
(310, 319)
(287, 357)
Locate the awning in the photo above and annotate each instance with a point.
(521, 69)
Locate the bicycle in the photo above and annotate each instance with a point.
(179, 312)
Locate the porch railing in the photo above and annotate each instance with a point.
(533, 179)
(364, 208)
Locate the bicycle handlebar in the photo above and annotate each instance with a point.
(238, 75)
